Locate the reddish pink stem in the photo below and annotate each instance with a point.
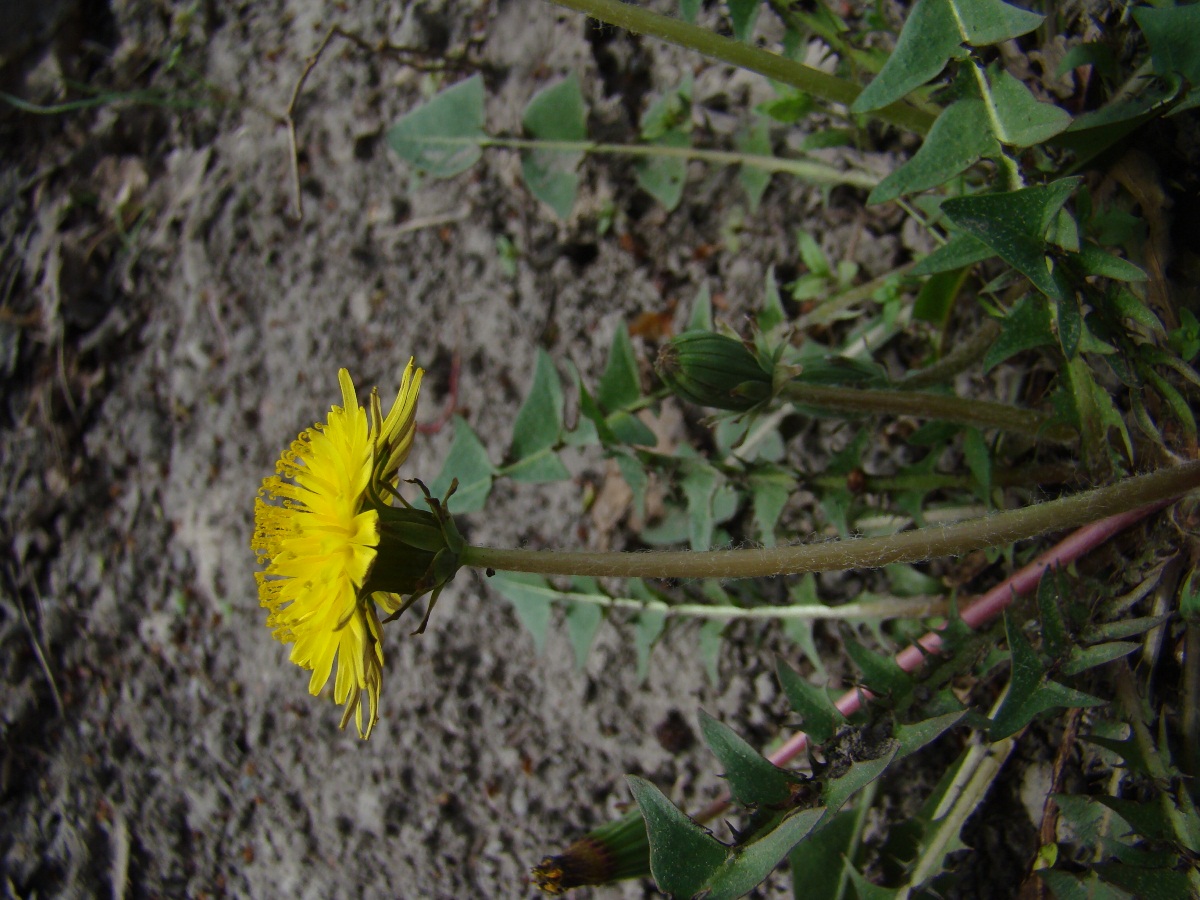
(977, 614)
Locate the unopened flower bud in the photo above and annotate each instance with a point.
(613, 852)
(713, 370)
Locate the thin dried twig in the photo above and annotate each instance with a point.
(35, 642)
(409, 56)
(1033, 887)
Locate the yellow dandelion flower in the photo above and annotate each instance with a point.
(317, 530)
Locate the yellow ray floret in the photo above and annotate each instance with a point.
(316, 528)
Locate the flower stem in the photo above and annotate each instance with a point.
(871, 610)
(856, 553)
(809, 170)
(978, 413)
(675, 31)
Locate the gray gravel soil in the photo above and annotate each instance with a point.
(168, 326)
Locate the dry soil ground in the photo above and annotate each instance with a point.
(168, 325)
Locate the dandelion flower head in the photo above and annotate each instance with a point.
(316, 529)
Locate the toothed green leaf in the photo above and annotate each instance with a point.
(959, 138)
(753, 780)
(1014, 225)
(819, 718)
(1029, 691)
(934, 33)
(683, 856)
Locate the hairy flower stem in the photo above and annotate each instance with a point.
(855, 553)
(829, 88)
(977, 413)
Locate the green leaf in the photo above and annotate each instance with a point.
(959, 252)
(772, 314)
(1129, 750)
(861, 773)
(743, 14)
(912, 738)
(672, 112)
(1122, 628)
(583, 620)
(803, 592)
(1023, 118)
(1185, 340)
(788, 108)
(1146, 883)
(817, 863)
(1056, 643)
(819, 718)
(1176, 402)
(1085, 397)
(442, 137)
(1070, 324)
(701, 317)
(667, 123)
(754, 781)
(812, 255)
(711, 638)
(1014, 224)
(1147, 819)
(934, 33)
(663, 177)
(1082, 659)
(538, 426)
(647, 626)
(960, 136)
(556, 113)
(699, 485)
(635, 476)
(1029, 691)
(683, 856)
(770, 489)
(747, 866)
(537, 468)
(935, 300)
(867, 890)
(1094, 261)
(620, 386)
(688, 9)
(1127, 306)
(1064, 233)
(468, 462)
(592, 414)
(1097, 55)
(979, 460)
(880, 673)
(907, 581)
(1089, 887)
(1094, 132)
(1173, 34)
(1091, 822)
(530, 596)
(629, 429)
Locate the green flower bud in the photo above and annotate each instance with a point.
(713, 370)
(613, 852)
